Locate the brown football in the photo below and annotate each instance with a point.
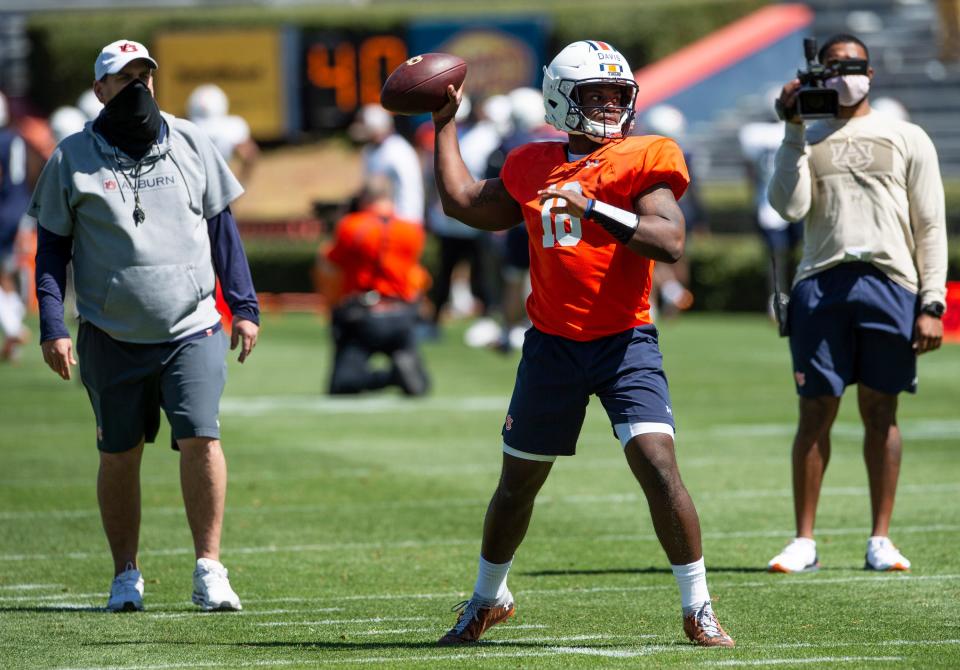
(419, 84)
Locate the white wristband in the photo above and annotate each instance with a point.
(618, 222)
(621, 216)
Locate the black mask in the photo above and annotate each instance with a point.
(131, 121)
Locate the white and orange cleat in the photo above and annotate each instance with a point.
(474, 618)
(702, 628)
(883, 556)
(798, 556)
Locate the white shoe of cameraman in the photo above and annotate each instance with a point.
(126, 591)
(211, 588)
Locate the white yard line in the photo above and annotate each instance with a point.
(433, 629)
(309, 404)
(799, 661)
(774, 581)
(51, 597)
(336, 622)
(245, 613)
(487, 651)
(838, 643)
(263, 405)
(30, 587)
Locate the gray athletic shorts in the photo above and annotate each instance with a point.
(128, 384)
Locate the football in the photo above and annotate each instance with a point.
(419, 84)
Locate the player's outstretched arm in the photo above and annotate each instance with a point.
(484, 204)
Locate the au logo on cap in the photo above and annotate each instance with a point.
(127, 47)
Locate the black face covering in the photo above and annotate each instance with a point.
(131, 121)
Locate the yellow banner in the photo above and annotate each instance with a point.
(245, 63)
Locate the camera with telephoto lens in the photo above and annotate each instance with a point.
(814, 99)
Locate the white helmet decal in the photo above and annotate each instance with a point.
(587, 62)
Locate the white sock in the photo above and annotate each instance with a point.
(672, 290)
(491, 583)
(11, 314)
(692, 580)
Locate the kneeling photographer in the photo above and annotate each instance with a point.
(372, 278)
(870, 287)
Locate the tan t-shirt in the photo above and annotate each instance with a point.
(868, 189)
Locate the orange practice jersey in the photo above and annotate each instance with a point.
(585, 284)
(377, 254)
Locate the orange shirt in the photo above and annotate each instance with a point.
(380, 254)
(585, 284)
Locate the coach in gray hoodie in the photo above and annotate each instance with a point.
(139, 200)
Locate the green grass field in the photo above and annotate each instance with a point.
(353, 526)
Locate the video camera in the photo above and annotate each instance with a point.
(814, 99)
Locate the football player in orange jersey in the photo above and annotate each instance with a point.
(600, 208)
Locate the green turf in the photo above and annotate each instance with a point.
(353, 526)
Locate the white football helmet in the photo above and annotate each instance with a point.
(580, 63)
(526, 108)
(207, 101)
(65, 121)
(89, 104)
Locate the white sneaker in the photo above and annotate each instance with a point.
(126, 591)
(798, 556)
(883, 556)
(484, 332)
(211, 588)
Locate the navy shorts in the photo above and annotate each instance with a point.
(516, 252)
(557, 376)
(128, 384)
(852, 324)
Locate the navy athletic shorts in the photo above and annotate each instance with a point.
(557, 376)
(852, 324)
(516, 252)
(128, 384)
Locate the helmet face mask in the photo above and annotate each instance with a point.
(583, 64)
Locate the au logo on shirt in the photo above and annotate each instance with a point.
(151, 183)
(851, 155)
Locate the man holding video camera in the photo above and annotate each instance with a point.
(870, 288)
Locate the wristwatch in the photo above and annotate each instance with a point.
(935, 309)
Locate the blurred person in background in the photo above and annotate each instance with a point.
(89, 104)
(370, 275)
(869, 292)
(891, 107)
(65, 121)
(208, 107)
(527, 124)
(462, 280)
(491, 123)
(140, 201)
(600, 207)
(759, 142)
(671, 280)
(386, 152)
(15, 188)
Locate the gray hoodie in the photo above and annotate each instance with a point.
(139, 282)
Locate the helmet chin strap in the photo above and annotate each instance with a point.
(605, 137)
